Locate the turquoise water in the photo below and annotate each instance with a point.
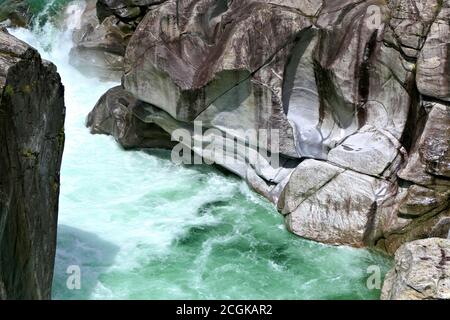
(141, 227)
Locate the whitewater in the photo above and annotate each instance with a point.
(140, 227)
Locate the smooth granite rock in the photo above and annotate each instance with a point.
(319, 207)
(421, 271)
(112, 115)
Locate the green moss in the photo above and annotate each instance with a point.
(55, 186)
(26, 89)
(29, 154)
(9, 90)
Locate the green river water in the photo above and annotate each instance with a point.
(140, 227)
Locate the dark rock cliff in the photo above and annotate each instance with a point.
(31, 145)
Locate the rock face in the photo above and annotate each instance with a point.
(433, 76)
(129, 11)
(113, 115)
(357, 92)
(99, 47)
(31, 145)
(421, 203)
(422, 271)
(103, 35)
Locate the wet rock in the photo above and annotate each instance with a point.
(421, 271)
(31, 145)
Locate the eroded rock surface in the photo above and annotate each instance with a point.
(421, 201)
(31, 145)
(100, 46)
(113, 116)
(355, 89)
(433, 76)
(421, 271)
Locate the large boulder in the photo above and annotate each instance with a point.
(421, 271)
(267, 64)
(112, 115)
(31, 145)
(330, 204)
(99, 47)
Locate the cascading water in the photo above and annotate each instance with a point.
(141, 227)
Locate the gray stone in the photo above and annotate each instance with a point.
(433, 76)
(330, 204)
(113, 116)
(421, 271)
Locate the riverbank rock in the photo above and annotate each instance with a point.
(113, 116)
(103, 35)
(99, 47)
(318, 206)
(421, 271)
(31, 145)
(354, 90)
(129, 11)
(421, 203)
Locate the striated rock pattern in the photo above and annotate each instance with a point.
(358, 91)
(31, 145)
(422, 271)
